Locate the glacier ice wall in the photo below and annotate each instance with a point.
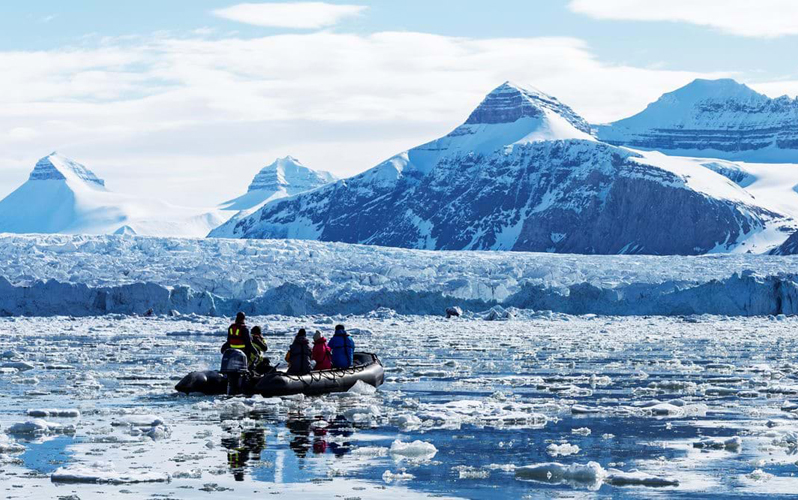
(89, 275)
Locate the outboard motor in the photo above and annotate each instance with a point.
(236, 366)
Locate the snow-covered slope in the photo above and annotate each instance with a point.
(63, 196)
(522, 173)
(79, 275)
(713, 118)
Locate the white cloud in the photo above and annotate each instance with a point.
(300, 15)
(215, 110)
(759, 18)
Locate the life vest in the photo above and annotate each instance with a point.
(235, 338)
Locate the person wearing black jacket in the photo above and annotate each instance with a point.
(238, 337)
(298, 355)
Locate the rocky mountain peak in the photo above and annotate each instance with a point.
(58, 167)
(510, 102)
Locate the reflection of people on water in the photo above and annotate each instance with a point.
(300, 428)
(246, 446)
(313, 434)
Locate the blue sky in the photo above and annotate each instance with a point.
(201, 93)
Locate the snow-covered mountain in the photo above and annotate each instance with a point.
(63, 196)
(523, 173)
(284, 177)
(713, 118)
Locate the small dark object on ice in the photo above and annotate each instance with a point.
(453, 312)
(148, 313)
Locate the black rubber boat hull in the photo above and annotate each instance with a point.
(367, 369)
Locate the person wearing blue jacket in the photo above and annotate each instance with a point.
(343, 348)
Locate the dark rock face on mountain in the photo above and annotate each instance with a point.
(520, 174)
(789, 247)
(718, 118)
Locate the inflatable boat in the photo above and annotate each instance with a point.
(367, 368)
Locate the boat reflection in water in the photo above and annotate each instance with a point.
(314, 436)
(248, 445)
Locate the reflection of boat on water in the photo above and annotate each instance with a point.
(242, 448)
(308, 436)
(367, 368)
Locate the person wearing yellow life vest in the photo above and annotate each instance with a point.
(238, 337)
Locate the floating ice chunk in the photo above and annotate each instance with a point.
(38, 427)
(589, 475)
(637, 478)
(406, 421)
(583, 410)
(469, 472)
(370, 451)
(104, 472)
(362, 388)
(362, 413)
(759, 475)
(188, 474)
(732, 443)
(139, 421)
(390, 477)
(419, 450)
(562, 449)
(582, 431)
(8, 445)
(18, 365)
(50, 412)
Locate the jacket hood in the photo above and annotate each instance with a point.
(321, 340)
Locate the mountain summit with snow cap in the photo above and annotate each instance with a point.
(713, 118)
(522, 173)
(285, 176)
(63, 196)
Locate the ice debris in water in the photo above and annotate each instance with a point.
(8, 445)
(732, 443)
(38, 427)
(562, 449)
(104, 472)
(21, 366)
(582, 431)
(469, 472)
(362, 388)
(390, 477)
(416, 450)
(590, 475)
(50, 412)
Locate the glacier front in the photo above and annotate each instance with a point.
(78, 275)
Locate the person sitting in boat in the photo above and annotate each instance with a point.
(322, 354)
(343, 348)
(260, 363)
(238, 337)
(298, 355)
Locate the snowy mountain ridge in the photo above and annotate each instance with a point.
(63, 196)
(284, 177)
(713, 118)
(522, 173)
(57, 167)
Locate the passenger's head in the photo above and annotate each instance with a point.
(340, 328)
(256, 331)
(317, 336)
(301, 332)
(240, 317)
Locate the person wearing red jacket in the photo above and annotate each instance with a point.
(322, 354)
